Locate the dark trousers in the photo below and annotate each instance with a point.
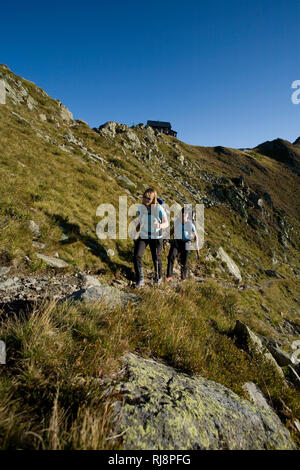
(139, 248)
(178, 248)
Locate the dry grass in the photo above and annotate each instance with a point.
(55, 357)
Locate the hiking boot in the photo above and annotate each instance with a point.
(158, 281)
(140, 283)
(169, 278)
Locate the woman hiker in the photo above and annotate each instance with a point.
(152, 219)
(185, 232)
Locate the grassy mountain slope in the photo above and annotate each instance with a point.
(56, 171)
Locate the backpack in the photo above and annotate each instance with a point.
(164, 231)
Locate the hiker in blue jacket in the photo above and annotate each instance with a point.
(152, 220)
(184, 233)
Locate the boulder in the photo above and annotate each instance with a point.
(90, 281)
(127, 180)
(251, 343)
(181, 159)
(95, 157)
(282, 358)
(53, 261)
(232, 267)
(159, 408)
(81, 121)
(256, 395)
(111, 296)
(296, 347)
(35, 229)
(294, 377)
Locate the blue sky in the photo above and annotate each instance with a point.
(220, 71)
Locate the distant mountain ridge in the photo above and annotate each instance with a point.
(282, 151)
(297, 142)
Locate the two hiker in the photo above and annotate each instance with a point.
(152, 219)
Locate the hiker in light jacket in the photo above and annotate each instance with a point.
(152, 219)
(184, 233)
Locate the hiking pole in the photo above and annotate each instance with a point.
(198, 259)
(156, 267)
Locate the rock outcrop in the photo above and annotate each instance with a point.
(250, 342)
(111, 128)
(231, 266)
(64, 112)
(160, 408)
(2, 92)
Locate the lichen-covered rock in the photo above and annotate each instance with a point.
(161, 408)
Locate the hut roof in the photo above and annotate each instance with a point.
(159, 124)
